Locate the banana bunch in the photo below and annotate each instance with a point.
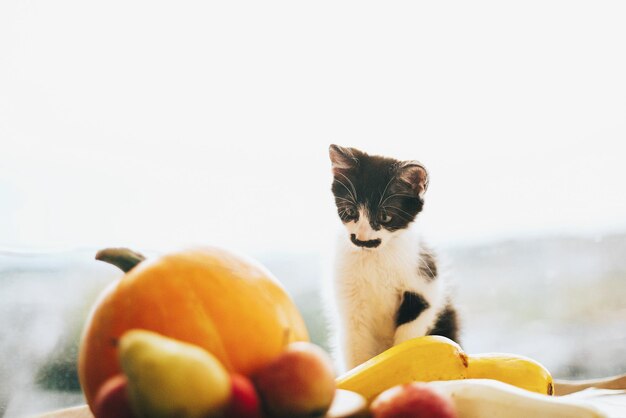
(433, 358)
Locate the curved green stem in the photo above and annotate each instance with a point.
(123, 258)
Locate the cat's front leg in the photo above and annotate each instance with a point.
(359, 345)
(409, 331)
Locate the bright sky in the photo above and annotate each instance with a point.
(160, 124)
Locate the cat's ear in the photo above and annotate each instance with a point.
(342, 159)
(415, 174)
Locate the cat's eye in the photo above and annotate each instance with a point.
(350, 212)
(384, 218)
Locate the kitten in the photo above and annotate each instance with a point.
(386, 286)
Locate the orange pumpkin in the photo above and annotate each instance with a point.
(229, 305)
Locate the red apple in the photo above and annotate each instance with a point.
(299, 383)
(111, 400)
(413, 400)
(244, 401)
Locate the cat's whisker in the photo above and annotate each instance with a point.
(396, 208)
(351, 184)
(347, 200)
(385, 190)
(346, 187)
(425, 264)
(342, 210)
(394, 195)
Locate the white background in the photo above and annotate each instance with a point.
(160, 124)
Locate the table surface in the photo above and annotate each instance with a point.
(613, 404)
(609, 394)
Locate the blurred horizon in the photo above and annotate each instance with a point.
(559, 301)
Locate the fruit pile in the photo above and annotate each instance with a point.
(206, 333)
(200, 333)
(164, 377)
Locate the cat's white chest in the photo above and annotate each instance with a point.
(370, 290)
(373, 273)
(369, 285)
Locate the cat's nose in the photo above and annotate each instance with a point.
(363, 237)
(364, 232)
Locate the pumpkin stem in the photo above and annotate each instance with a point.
(123, 258)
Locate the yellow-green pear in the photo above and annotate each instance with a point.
(169, 378)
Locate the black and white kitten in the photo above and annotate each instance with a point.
(385, 286)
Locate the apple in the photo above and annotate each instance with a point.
(412, 400)
(111, 400)
(244, 401)
(299, 383)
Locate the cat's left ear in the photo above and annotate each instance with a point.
(342, 158)
(415, 174)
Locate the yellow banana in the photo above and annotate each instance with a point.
(516, 370)
(419, 359)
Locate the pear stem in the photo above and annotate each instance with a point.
(123, 258)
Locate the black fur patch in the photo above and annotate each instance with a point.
(447, 324)
(373, 243)
(428, 264)
(412, 306)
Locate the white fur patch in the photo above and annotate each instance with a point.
(367, 289)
